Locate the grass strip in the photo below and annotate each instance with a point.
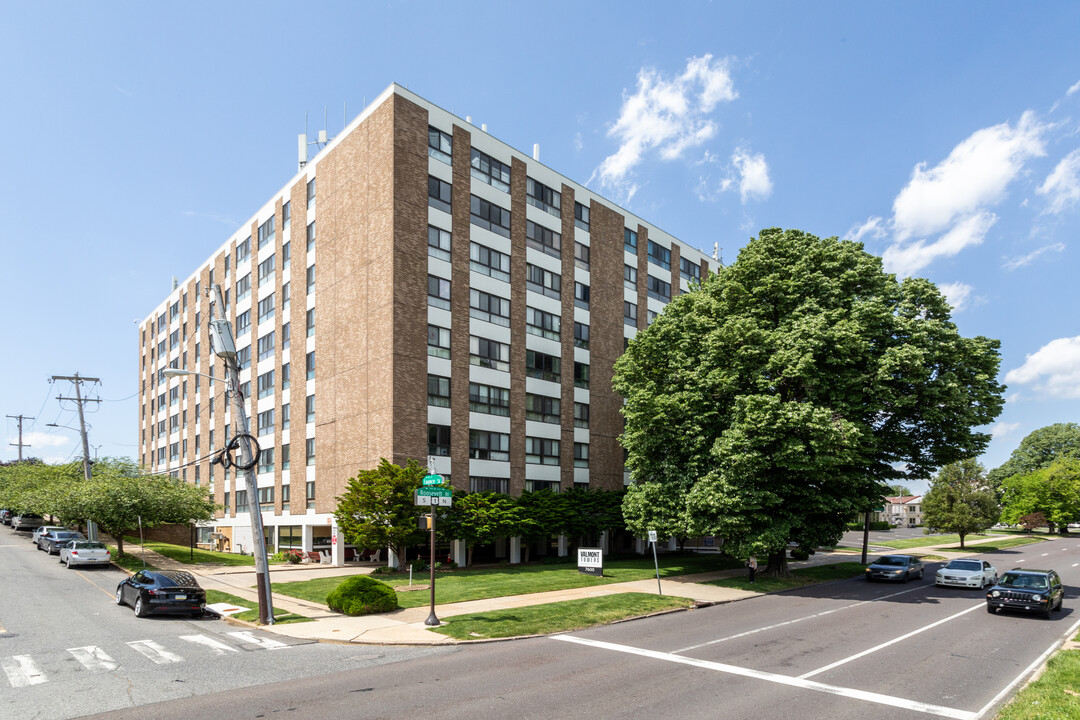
(996, 545)
(280, 616)
(799, 578)
(927, 540)
(1056, 694)
(127, 561)
(197, 556)
(558, 616)
(501, 581)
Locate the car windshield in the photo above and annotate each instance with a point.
(964, 565)
(891, 560)
(1027, 582)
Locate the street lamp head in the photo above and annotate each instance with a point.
(175, 372)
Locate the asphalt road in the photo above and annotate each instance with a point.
(66, 650)
(839, 651)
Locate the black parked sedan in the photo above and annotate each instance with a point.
(895, 567)
(51, 542)
(1034, 591)
(162, 592)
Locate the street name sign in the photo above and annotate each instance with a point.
(433, 480)
(434, 496)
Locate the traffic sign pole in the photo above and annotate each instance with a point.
(432, 620)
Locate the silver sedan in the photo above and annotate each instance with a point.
(85, 552)
(966, 572)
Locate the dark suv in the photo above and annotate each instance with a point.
(1035, 591)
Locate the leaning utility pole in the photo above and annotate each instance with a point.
(20, 444)
(91, 526)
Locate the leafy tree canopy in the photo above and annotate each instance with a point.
(480, 517)
(960, 501)
(783, 395)
(1053, 492)
(378, 509)
(1038, 450)
(898, 490)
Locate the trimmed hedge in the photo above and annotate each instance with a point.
(361, 595)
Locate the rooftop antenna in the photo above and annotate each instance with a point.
(303, 143)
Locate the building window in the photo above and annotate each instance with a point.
(286, 296)
(659, 290)
(629, 278)
(659, 255)
(311, 236)
(542, 323)
(494, 309)
(266, 384)
(241, 501)
(630, 240)
(309, 451)
(311, 322)
(543, 451)
(630, 313)
(487, 399)
(581, 415)
(581, 375)
(243, 357)
(489, 353)
(439, 145)
(542, 408)
(650, 317)
(243, 251)
(439, 193)
(539, 195)
(542, 366)
(266, 494)
(438, 440)
(286, 215)
(309, 491)
(581, 216)
(243, 323)
(489, 216)
(286, 255)
(538, 485)
(311, 279)
(543, 281)
(285, 379)
(310, 192)
(438, 391)
(438, 292)
(689, 270)
(581, 455)
(243, 287)
(581, 336)
(581, 255)
(490, 262)
(266, 308)
(285, 416)
(543, 239)
(438, 341)
(438, 243)
(266, 423)
(489, 484)
(311, 365)
(489, 170)
(266, 233)
(266, 346)
(581, 295)
(485, 445)
(309, 408)
(285, 466)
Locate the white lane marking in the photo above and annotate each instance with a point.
(779, 679)
(792, 622)
(94, 658)
(21, 671)
(265, 643)
(154, 652)
(1020, 560)
(890, 642)
(217, 646)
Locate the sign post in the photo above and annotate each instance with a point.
(652, 539)
(433, 496)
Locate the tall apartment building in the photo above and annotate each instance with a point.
(418, 289)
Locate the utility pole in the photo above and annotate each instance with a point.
(91, 526)
(20, 444)
(224, 347)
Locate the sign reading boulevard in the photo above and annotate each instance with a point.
(433, 496)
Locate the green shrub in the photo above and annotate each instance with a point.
(384, 570)
(361, 595)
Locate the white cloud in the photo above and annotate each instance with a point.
(667, 116)
(910, 258)
(1053, 369)
(957, 294)
(40, 440)
(1073, 89)
(975, 174)
(1020, 262)
(753, 172)
(873, 228)
(1062, 186)
(1003, 429)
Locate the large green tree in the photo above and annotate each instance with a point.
(480, 517)
(960, 501)
(378, 508)
(1053, 492)
(784, 395)
(1038, 450)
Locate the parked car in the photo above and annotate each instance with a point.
(895, 567)
(51, 542)
(5, 517)
(27, 522)
(42, 529)
(84, 552)
(153, 592)
(1034, 591)
(966, 572)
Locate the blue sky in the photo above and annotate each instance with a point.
(944, 136)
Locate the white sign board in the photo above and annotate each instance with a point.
(652, 536)
(590, 561)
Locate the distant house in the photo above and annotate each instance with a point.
(904, 510)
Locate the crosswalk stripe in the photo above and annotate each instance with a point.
(217, 646)
(265, 643)
(154, 652)
(94, 658)
(21, 671)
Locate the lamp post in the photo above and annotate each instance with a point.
(91, 526)
(222, 344)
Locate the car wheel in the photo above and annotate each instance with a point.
(140, 608)
(920, 573)
(120, 595)
(907, 576)
(1048, 612)
(989, 608)
(69, 565)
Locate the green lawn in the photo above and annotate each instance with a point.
(997, 544)
(928, 540)
(280, 616)
(557, 617)
(1055, 695)
(799, 578)
(184, 554)
(462, 585)
(128, 561)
